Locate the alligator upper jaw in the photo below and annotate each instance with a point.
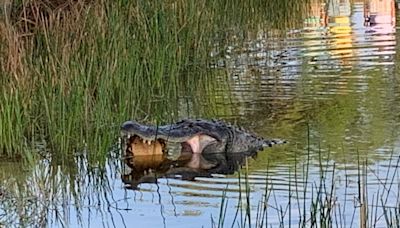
(151, 133)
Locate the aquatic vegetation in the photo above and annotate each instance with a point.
(334, 199)
(71, 72)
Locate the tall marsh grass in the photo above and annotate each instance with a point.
(71, 70)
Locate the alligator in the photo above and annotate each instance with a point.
(198, 136)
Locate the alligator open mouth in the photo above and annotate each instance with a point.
(139, 149)
(150, 139)
(139, 146)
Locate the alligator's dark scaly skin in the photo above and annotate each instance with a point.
(228, 138)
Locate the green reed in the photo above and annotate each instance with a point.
(323, 207)
(71, 73)
(88, 67)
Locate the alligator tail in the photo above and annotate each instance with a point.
(271, 142)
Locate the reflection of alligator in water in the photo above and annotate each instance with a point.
(147, 169)
(196, 136)
(206, 147)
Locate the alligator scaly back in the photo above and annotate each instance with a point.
(238, 139)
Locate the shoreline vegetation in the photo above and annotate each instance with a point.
(71, 70)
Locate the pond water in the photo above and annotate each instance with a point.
(330, 88)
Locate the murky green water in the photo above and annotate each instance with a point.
(329, 87)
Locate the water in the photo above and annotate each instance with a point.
(330, 87)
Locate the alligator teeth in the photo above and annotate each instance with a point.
(145, 141)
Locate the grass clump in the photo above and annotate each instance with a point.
(72, 70)
(333, 195)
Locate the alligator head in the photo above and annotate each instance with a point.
(197, 136)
